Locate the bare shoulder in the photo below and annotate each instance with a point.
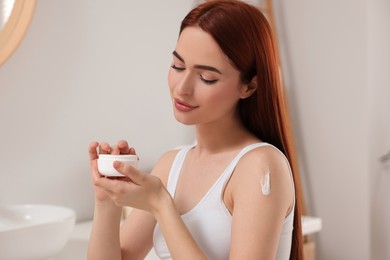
(164, 164)
(265, 157)
(263, 173)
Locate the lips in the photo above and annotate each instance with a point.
(183, 106)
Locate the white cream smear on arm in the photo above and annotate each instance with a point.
(266, 184)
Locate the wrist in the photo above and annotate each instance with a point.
(164, 205)
(108, 203)
(107, 208)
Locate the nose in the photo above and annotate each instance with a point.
(184, 85)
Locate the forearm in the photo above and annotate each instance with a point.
(179, 240)
(104, 240)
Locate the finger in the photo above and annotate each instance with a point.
(95, 173)
(115, 150)
(132, 151)
(135, 175)
(92, 150)
(119, 178)
(123, 147)
(104, 148)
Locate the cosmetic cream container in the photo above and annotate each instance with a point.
(106, 167)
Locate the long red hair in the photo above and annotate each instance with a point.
(245, 36)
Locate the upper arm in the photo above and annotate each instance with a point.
(136, 234)
(257, 216)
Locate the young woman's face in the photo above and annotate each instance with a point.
(204, 86)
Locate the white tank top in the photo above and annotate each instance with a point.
(210, 221)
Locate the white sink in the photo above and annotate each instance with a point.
(31, 232)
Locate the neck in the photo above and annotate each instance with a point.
(222, 136)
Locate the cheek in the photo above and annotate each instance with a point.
(223, 98)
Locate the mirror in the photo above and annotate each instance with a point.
(15, 17)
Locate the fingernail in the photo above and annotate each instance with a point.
(117, 164)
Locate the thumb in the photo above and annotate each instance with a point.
(134, 174)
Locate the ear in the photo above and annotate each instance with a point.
(248, 89)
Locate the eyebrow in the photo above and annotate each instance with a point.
(197, 66)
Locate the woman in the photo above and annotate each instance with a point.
(232, 195)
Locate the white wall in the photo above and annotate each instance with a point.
(86, 70)
(324, 46)
(379, 83)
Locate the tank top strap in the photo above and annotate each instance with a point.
(230, 168)
(176, 168)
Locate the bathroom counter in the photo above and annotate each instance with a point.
(311, 225)
(76, 248)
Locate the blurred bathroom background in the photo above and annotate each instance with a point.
(97, 70)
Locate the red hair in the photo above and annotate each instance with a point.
(245, 36)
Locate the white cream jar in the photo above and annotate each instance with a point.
(106, 167)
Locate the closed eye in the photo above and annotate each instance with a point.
(207, 81)
(173, 66)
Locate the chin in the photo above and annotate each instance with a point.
(184, 120)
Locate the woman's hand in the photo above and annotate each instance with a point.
(139, 190)
(95, 149)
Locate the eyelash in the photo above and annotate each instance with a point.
(177, 68)
(208, 82)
